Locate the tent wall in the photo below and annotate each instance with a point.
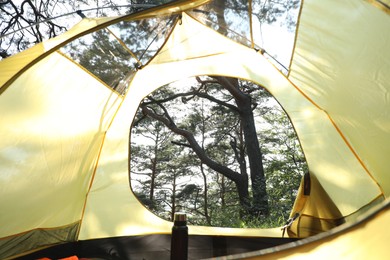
(52, 127)
(65, 134)
(341, 62)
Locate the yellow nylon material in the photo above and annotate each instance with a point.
(52, 125)
(12, 65)
(187, 54)
(53, 121)
(342, 62)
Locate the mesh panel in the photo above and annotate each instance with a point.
(230, 18)
(112, 54)
(36, 239)
(260, 24)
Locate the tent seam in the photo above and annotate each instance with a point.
(96, 165)
(355, 153)
(337, 129)
(297, 29)
(90, 73)
(90, 186)
(380, 5)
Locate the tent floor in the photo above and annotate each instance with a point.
(156, 247)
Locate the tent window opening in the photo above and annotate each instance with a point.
(195, 147)
(114, 53)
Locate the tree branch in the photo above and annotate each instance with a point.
(181, 144)
(192, 93)
(234, 176)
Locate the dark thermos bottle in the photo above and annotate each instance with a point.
(179, 239)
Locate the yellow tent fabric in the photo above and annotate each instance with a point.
(64, 139)
(342, 67)
(349, 83)
(45, 143)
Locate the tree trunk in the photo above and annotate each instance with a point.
(241, 180)
(244, 105)
(205, 196)
(173, 199)
(222, 193)
(154, 161)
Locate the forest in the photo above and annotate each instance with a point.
(220, 149)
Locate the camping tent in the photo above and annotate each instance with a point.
(64, 130)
